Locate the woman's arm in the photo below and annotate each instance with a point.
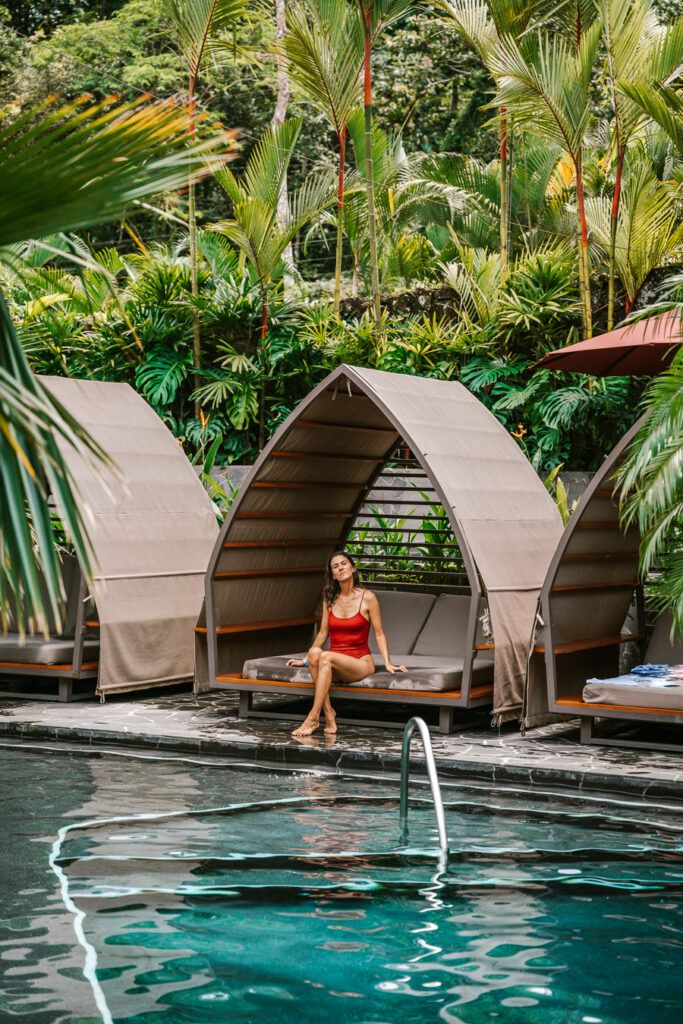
(320, 638)
(324, 630)
(372, 606)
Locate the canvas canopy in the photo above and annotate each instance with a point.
(586, 597)
(300, 498)
(151, 526)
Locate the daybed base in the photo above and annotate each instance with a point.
(588, 712)
(447, 702)
(62, 675)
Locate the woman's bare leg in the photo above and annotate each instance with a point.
(332, 665)
(328, 710)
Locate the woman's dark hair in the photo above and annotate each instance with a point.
(331, 588)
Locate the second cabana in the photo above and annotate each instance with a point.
(446, 517)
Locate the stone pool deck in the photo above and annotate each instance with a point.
(208, 725)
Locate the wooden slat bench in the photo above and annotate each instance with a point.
(446, 702)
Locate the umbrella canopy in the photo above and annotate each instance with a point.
(645, 347)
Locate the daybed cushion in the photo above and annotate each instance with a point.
(445, 630)
(429, 673)
(403, 616)
(276, 667)
(425, 672)
(637, 691)
(37, 651)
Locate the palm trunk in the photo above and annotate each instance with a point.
(504, 245)
(262, 394)
(511, 157)
(369, 169)
(584, 260)
(614, 223)
(279, 115)
(194, 274)
(340, 225)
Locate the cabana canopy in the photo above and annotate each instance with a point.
(151, 526)
(586, 597)
(302, 495)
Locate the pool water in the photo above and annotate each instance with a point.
(154, 891)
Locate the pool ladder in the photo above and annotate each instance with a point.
(421, 726)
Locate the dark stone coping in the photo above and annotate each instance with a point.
(576, 782)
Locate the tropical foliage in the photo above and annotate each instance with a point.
(62, 168)
(468, 185)
(651, 483)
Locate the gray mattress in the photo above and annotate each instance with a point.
(38, 651)
(425, 672)
(636, 691)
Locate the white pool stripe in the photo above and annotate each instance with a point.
(90, 965)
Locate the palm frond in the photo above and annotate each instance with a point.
(200, 26)
(323, 50)
(650, 483)
(81, 165)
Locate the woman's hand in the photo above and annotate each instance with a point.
(392, 669)
(295, 661)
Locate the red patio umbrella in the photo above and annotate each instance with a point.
(644, 347)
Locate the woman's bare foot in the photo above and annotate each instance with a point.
(330, 723)
(307, 727)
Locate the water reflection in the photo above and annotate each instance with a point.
(267, 914)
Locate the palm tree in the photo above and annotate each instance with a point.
(651, 486)
(254, 226)
(546, 82)
(281, 105)
(470, 206)
(323, 49)
(375, 17)
(61, 169)
(482, 24)
(200, 27)
(637, 47)
(649, 233)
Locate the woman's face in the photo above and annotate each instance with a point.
(341, 568)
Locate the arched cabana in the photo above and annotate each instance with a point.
(152, 527)
(309, 489)
(591, 604)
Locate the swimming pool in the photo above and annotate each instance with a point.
(266, 895)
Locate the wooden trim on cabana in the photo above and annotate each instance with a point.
(38, 666)
(591, 643)
(238, 682)
(244, 545)
(255, 574)
(597, 709)
(288, 453)
(267, 624)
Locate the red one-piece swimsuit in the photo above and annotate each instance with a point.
(350, 636)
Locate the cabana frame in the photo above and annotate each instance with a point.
(151, 526)
(592, 582)
(64, 675)
(395, 407)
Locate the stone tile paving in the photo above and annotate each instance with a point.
(209, 725)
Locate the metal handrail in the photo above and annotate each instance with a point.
(421, 726)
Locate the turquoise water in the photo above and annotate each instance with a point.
(234, 907)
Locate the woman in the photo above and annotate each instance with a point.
(348, 613)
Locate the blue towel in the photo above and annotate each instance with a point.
(651, 670)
